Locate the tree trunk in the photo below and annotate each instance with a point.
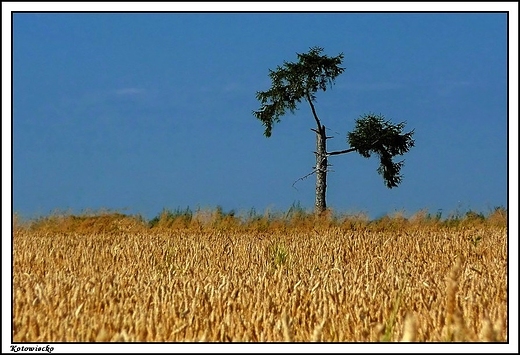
(321, 170)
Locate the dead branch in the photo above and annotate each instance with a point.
(303, 178)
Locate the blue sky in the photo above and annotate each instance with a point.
(140, 112)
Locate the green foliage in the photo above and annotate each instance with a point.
(460, 218)
(438, 216)
(389, 326)
(474, 216)
(279, 254)
(375, 135)
(293, 82)
(167, 217)
(225, 220)
(220, 214)
(475, 240)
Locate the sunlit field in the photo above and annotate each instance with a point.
(211, 276)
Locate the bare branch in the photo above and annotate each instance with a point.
(313, 111)
(328, 129)
(310, 174)
(338, 152)
(304, 177)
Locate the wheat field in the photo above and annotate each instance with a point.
(115, 279)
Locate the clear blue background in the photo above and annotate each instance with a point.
(140, 112)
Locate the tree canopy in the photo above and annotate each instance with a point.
(293, 82)
(375, 135)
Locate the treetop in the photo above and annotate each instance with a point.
(294, 81)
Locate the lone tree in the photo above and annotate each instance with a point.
(294, 82)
